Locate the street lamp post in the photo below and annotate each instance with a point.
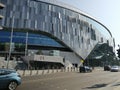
(26, 44)
(26, 48)
(11, 38)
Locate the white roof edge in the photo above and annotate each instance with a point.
(62, 4)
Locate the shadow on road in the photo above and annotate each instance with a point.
(96, 86)
(118, 84)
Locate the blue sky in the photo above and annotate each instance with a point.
(105, 11)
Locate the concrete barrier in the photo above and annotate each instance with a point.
(45, 71)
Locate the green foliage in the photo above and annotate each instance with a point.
(118, 52)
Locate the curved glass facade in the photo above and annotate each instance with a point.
(75, 29)
(33, 39)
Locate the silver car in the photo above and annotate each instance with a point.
(114, 68)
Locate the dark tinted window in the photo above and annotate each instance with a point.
(3, 72)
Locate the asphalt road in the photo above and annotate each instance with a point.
(97, 80)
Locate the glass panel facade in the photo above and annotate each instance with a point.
(33, 39)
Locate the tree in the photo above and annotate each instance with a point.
(118, 52)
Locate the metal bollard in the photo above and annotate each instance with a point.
(48, 70)
(61, 70)
(30, 72)
(43, 71)
(68, 69)
(71, 69)
(52, 69)
(23, 73)
(57, 69)
(37, 71)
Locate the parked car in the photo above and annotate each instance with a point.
(107, 68)
(9, 79)
(85, 69)
(114, 68)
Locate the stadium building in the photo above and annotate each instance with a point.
(49, 33)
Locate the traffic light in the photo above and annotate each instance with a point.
(118, 52)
